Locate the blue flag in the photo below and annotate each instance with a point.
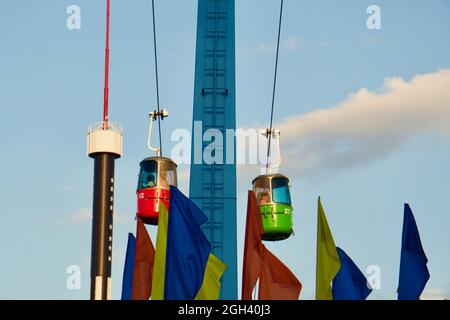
(349, 283)
(127, 282)
(187, 250)
(413, 261)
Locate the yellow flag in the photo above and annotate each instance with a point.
(210, 289)
(159, 268)
(328, 262)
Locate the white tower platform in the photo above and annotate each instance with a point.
(101, 140)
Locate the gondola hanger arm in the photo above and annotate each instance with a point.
(155, 115)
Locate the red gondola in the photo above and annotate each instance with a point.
(156, 176)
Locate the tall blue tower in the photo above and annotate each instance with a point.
(213, 169)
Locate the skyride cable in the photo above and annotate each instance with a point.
(156, 76)
(269, 133)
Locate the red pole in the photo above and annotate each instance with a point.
(106, 90)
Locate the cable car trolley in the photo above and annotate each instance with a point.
(157, 173)
(272, 189)
(156, 176)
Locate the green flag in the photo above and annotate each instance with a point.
(328, 262)
(159, 268)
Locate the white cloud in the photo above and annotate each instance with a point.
(84, 216)
(119, 254)
(434, 294)
(368, 125)
(324, 44)
(121, 218)
(289, 44)
(69, 188)
(80, 216)
(292, 43)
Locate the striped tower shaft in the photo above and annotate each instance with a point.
(104, 146)
(102, 226)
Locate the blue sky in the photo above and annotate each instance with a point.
(51, 82)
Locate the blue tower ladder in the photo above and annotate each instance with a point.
(213, 185)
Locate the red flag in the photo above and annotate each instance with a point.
(277, 282)
(144, 259)
(253, 248)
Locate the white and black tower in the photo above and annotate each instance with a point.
(104, 146)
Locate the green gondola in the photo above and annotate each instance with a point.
(274, 200)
